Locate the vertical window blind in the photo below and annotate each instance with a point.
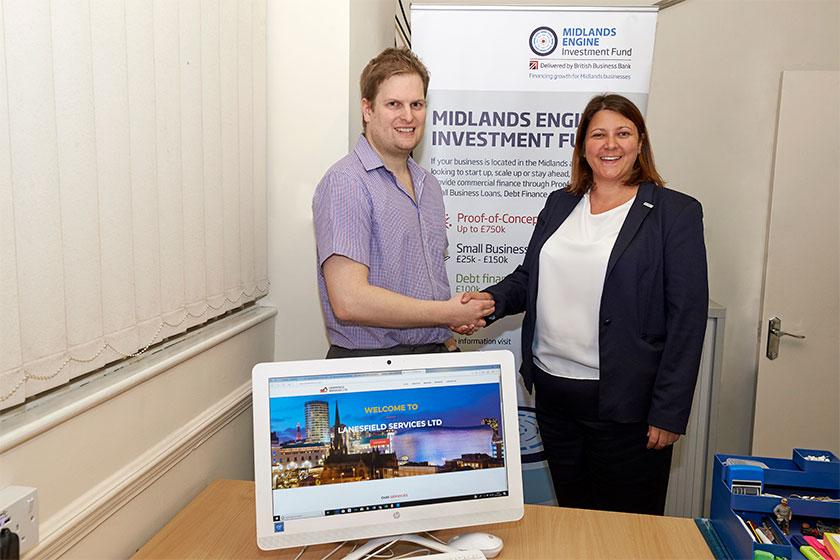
(132, 178)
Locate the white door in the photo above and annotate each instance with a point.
(798, 393)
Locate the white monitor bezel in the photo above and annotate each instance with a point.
(364, 525)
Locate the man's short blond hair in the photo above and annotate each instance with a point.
(390, 62)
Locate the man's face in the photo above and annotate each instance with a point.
(396, 116)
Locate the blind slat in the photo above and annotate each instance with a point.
(110, 89)
(229, 59)
(37, 195)
(10, 352)
(74, 102)
(143, 165)
(246, 145)
(211, 129)
(192, 156)
(170, 186)
(260, 119)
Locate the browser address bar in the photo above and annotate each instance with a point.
(392, 382)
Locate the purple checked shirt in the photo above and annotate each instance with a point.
(362, 213)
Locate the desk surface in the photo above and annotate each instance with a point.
(220, 523)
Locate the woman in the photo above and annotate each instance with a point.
(615, 296)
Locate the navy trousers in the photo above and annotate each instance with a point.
(597, 464)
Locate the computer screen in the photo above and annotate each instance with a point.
(367, 447)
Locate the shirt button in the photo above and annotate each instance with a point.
(607, 322)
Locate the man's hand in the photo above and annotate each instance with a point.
(470, 312)
(659, 438)
(469, 298)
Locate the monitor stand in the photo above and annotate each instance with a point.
(373, 544)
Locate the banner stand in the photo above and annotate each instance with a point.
(507, 87)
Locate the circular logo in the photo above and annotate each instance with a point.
(543, 41)
(530, 444)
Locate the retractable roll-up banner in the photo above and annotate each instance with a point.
(508, 84)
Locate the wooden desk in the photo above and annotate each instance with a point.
(220, 523)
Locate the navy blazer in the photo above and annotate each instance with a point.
(654, 306)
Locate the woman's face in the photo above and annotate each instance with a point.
(612, 146)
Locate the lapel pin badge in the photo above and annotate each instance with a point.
(648, 204)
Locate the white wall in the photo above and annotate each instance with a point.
(712, 114)
(372, 29)
(316, 50)
(227, 455)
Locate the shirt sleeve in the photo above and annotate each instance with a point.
(341, 209)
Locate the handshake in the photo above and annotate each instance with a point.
(468, 310)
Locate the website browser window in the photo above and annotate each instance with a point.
(349, 443)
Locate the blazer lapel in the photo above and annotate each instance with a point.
(637, 214)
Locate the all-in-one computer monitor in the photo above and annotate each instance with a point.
(367, 447)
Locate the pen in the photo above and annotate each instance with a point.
(755, 531)
(809, 553)
(747, 529)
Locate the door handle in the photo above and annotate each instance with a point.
(774, 335)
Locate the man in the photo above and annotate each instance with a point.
(783, 515)
(380, 228)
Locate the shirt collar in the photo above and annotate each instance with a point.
(367, 155)
(371, 160)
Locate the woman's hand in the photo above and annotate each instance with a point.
(659, 438)
(470, 328)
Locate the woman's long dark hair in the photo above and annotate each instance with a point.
(643, 169)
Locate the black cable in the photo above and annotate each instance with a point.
(402, 32)
(9, 545)
(405, 19)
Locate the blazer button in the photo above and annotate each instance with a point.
(607, 322)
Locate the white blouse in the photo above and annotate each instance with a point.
(573, 267)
